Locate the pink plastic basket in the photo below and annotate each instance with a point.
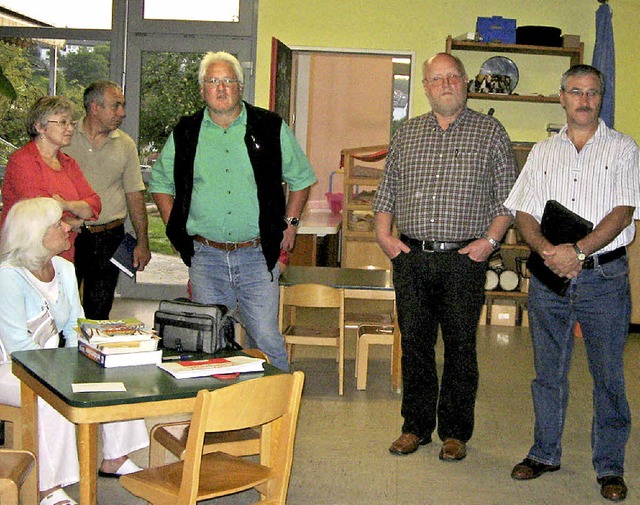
(335, 202)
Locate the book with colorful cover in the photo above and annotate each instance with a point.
(118, 360)
(213, 366)
(113, 330)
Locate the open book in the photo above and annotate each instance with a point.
(213, 366)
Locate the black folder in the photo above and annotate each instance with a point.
(559, 225)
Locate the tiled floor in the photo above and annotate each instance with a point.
(341, 455)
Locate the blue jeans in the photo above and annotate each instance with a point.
(240, 280)
(599, 300)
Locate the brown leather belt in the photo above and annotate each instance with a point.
(97, 228)
(227, 246)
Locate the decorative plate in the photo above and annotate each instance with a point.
(501, 66)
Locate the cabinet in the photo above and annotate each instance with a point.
(363, 169)
(575, 54)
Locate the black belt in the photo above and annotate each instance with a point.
(434, 245)
(600, 259)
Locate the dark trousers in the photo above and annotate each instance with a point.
(95, 273)
(443, 290)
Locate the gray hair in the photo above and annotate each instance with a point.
(21, 242)
(43, 108)
(582, 69)
(95, 93)
(220, 56)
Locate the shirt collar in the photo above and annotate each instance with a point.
(432, 121)
(602, 133)
(80, 129)
(240, 120)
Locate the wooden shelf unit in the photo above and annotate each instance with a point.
(361, 179)
(575, 54)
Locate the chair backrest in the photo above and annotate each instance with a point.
(312, 295)
(272, 402)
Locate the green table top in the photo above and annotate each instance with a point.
(346, 278)
(58, 369)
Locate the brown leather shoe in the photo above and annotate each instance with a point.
(613, 487)
(530, 469)
(453, 450)
(407, 443)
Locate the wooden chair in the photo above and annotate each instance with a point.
(14, 416)
(371, 335)
(172, 437)
(322, 333)
(272, 402)
(18, 477)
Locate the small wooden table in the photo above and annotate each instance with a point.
(50, 373)
(359, 284)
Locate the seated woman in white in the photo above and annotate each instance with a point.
(38, 301)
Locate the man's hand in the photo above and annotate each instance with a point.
(288, 238)
(141, 256)
(392, 246)
(478, 250)
(562, 260)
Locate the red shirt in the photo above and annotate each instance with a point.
(28, 176)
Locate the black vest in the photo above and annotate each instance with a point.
(262, 140)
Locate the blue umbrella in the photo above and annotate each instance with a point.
(604, 59)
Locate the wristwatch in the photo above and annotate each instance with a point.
(293, 221)
(494, 243)
(581, 255)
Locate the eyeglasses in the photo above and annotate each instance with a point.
(439, 80)
(226, 82)
(578, 93)
(64, 123)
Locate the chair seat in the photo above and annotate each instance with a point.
(220, 474)
(312, 335)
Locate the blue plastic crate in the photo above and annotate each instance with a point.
(497, 29)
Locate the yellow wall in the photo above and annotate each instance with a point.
(423, 25)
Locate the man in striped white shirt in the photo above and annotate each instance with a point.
(592, 170)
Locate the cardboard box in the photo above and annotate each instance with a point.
(503, 314)
(496, 29)
(571, 41)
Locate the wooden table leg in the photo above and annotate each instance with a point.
(29, 406)
(87, 455)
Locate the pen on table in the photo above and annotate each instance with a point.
(182, 357)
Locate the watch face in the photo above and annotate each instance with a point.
(581, 257)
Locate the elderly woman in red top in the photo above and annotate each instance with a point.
(41, 169)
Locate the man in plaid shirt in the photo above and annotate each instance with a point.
(446, 176)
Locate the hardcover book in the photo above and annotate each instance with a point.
(213, 366)
(123, 257)
(144, 345)
(98, 331)
(118, 360)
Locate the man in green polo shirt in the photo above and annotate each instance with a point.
(218, 186)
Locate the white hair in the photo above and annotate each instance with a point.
(21, 242)
(223, 56)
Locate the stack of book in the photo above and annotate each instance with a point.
(118, 342)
